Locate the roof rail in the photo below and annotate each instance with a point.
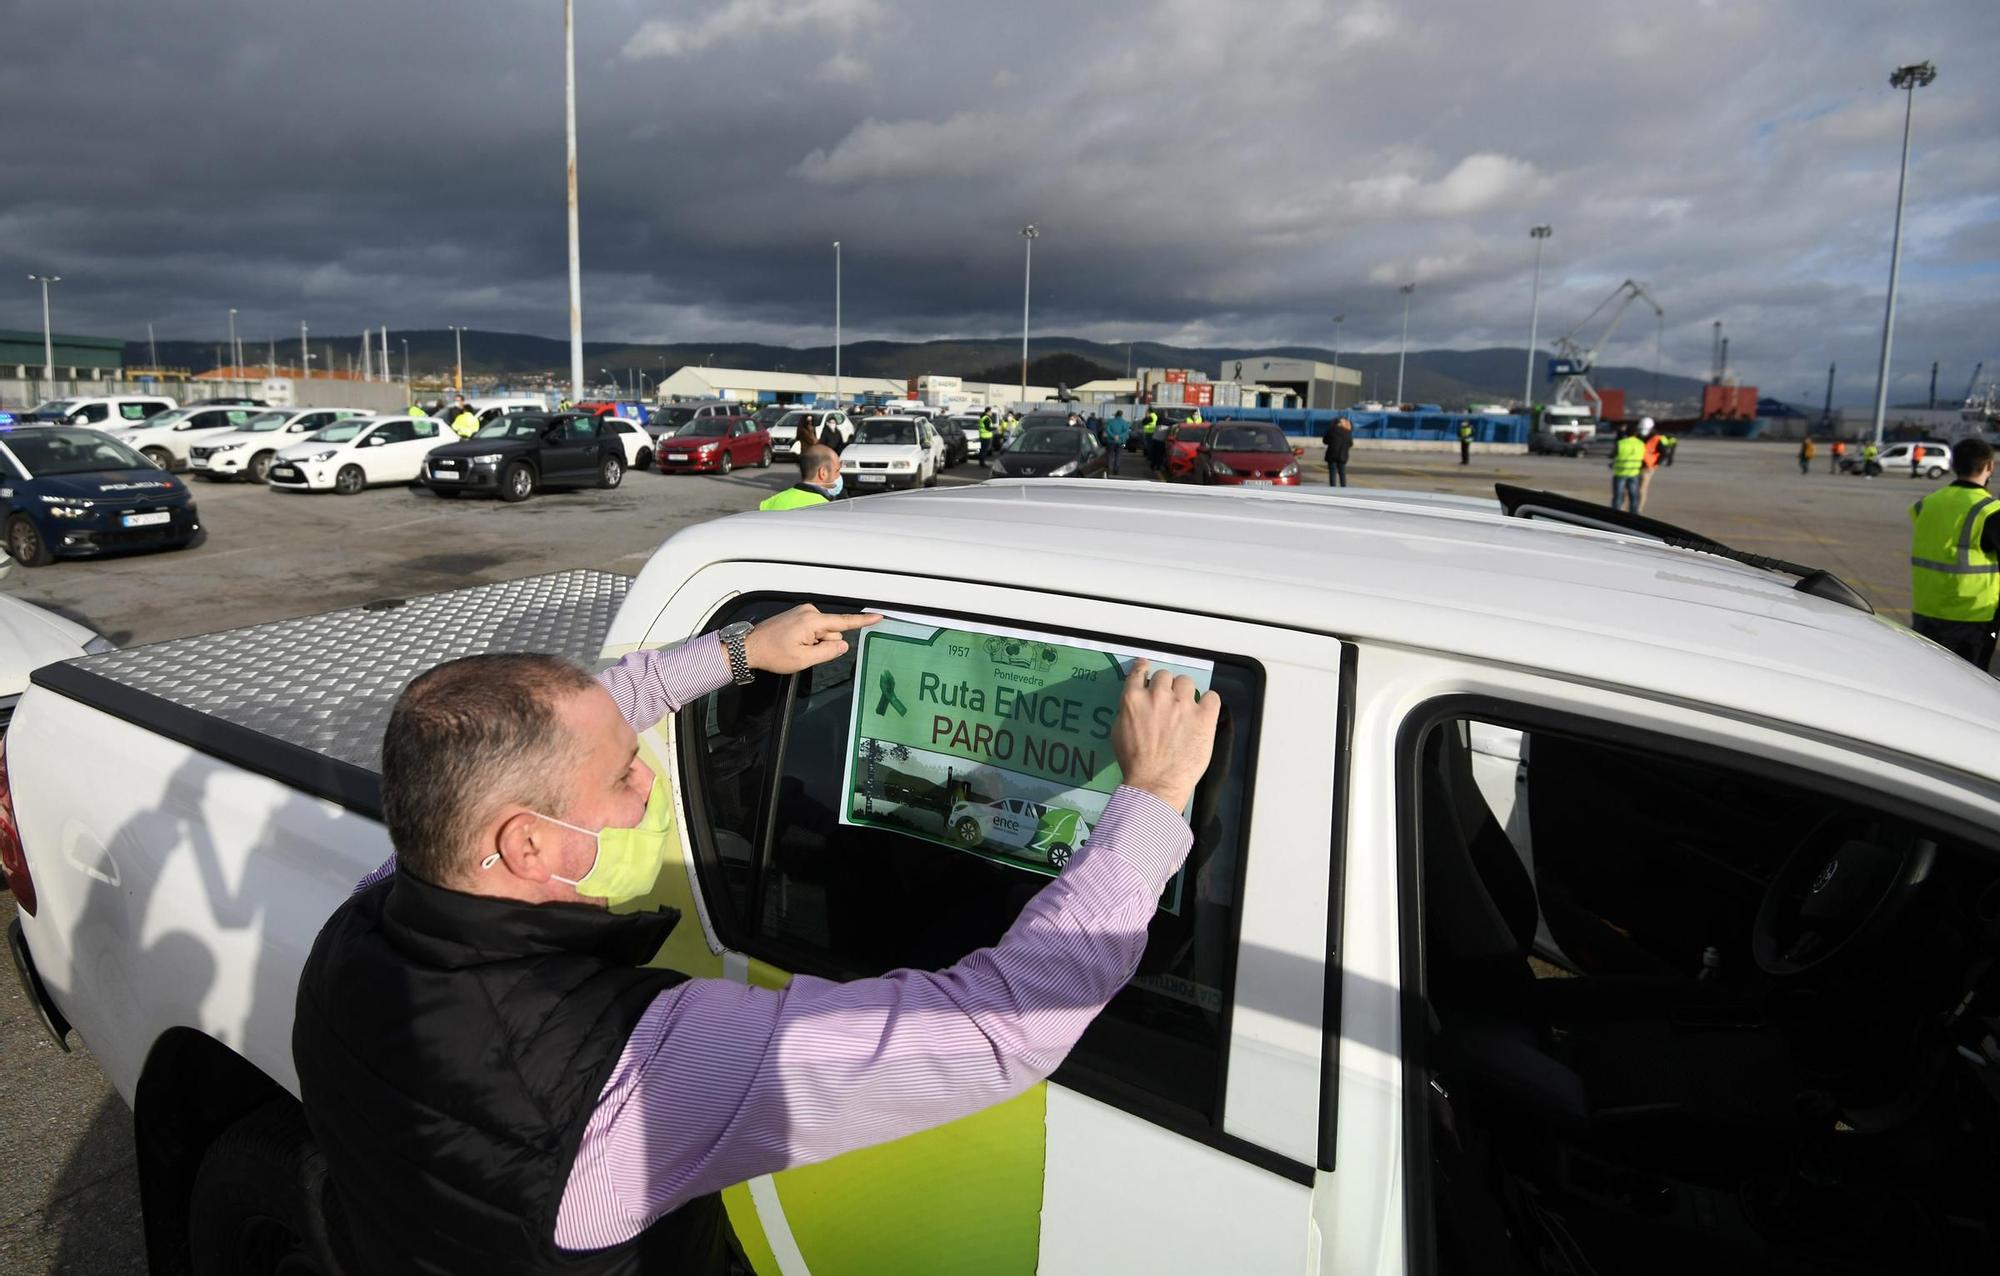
(1522, 502)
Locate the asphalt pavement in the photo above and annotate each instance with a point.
(68, 1193)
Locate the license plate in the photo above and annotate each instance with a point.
(197, 462)
(283, 472)
(677, 456)
(871, 478)
(1256, 482)
(147, 520)
(443, 474)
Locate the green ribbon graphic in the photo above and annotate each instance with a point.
(888, 700)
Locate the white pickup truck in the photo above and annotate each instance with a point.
(1562, 899)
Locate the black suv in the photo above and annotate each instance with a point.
(522, 452)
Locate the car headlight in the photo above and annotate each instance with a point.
(902, 465)
(1063, 471)
(67, 507)
(486, 458)
(1290, 471)
(1219, 468)
(327, 455)
(224, 447)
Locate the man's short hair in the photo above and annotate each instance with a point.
(1969, 456)
(816, 458)
(463, 738)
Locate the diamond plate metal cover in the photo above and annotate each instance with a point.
(327, 682)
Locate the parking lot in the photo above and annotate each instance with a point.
(69, 1200)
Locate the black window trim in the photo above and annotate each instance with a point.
(1514, 710)
(1080, 1077)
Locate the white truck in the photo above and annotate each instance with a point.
(1562, 899)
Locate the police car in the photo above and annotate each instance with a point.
(1019, 828)
(70, 491)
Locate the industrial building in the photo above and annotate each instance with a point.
(23, 356)
(748, 385)
(1311, 383)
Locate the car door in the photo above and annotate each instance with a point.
(1202, 1083)
(376, 450)
(569, 450)
(191, 431)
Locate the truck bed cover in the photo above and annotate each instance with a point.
(305, 701)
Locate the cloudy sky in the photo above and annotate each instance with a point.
(1202, 171)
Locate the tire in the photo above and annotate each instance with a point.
(260, 1198)
(1934, 472)
(518, 483)
(25, 543)
(726, 464)
(967, 831)
(765, 464)
(160, 457)
(932, 480)
(610, 473)
(1059, 855)
(350, 480)
(645, 461)
(259, 469)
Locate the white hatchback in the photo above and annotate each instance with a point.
(247, 452)
(1896, 456)
(350, 455)
(893, 451)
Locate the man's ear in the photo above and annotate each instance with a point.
(525, 846)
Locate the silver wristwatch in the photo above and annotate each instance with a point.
(739, 660)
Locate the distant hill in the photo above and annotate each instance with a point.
(1450, 377)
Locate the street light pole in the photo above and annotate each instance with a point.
(1539, 233)
(406, 361)
(458, 349)
(235, 357)
(1404, 352)
(836, 321)
(1337, 321)
(305, 355)
(1030, 233)
(152, 347)
(575, 256)
(1909, 79)
(48, 338)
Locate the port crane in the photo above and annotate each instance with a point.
(1571, 367)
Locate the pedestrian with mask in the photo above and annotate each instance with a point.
(1339, 443)
(1955, 558)
(819, 481)
(497, 1082)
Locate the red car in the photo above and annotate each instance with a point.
(1177, 451)
(718, 443)
(1243, 454)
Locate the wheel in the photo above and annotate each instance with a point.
(765, 464)
(159, 456)
(1059, 855)
(259, 468)
(518, 483)
(259, 1202)
(611, 473)
(931, 481)
(349, 480)
(26, 544)
(967, 831)
(727, 463)
(1934, 472)
(645, 461)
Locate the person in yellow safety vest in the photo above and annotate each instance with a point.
(464, 424)
(1869, 466)
(1465, 442)
(819, 481)
(417, 412)
(1955, 558)
(986, 436)
(1627, 460)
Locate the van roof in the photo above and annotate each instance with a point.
(1598, 606)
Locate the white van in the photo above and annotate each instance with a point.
(107, 413)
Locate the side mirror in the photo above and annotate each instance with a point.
(375, 440)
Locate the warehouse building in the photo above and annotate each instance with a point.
(22, 356)
(748, 385)
(1314, 384)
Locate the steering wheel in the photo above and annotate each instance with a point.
(1835, 892)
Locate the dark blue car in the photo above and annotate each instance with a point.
(69, 491)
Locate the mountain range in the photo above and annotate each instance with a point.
(1450, 377)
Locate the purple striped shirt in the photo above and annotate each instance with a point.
(722, 1082)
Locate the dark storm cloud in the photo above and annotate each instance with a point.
(1202, 171)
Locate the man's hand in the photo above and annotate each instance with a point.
(1164, 735)
(799, 639)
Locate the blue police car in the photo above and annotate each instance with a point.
(68, 491)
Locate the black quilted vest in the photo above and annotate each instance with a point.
(450, 1050)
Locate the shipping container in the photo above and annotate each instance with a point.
(1198, 394)
(1611, 405)
(1176, 375)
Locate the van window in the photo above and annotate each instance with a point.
(1685, 1011)
(788, 883)
(92, 413)
(137, 411)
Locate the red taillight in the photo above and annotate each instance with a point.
(13, 861)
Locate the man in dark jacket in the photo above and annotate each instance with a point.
(1339, 442)
(500, 1083)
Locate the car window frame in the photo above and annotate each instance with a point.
(690, 759)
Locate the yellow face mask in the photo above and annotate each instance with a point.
(628, 860)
